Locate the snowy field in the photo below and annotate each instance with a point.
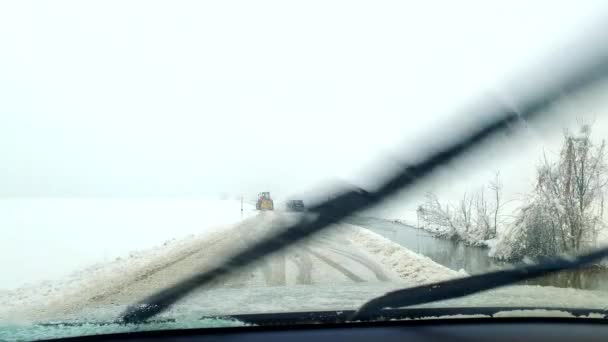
(47, 239)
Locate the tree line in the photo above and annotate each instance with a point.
(562, 213)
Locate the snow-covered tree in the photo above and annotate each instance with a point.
(473, 219)
(565, 210)
(437, 217)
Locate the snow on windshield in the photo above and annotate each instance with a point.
(142, 142)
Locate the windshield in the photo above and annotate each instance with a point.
(142, 143)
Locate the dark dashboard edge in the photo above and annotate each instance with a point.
(330, 326)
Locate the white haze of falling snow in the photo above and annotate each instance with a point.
(126, 99)
(149, 98)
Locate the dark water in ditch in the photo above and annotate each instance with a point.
(457, 255)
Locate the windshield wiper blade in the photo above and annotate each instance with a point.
(462, 287)
(356, 200)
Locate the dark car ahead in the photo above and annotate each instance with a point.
(295, 205)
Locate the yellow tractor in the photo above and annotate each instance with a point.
(264, 201)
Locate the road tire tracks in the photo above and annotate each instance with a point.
(350, 275)
(369, 264)
(304, 263)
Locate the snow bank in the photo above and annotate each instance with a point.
(102, 278)
(46, 239)
(411, 267)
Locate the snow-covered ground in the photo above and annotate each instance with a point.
(339, 269)
(46, 239)
(343, 256)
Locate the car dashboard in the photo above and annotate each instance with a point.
(469, 329)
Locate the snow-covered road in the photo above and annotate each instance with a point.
(327, 259)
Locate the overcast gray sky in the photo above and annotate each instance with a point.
(181, 98)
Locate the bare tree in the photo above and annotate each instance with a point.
(436, 216)
(570, 192)
(483, 219)
(465, 219)
(474, 218)
(496, 187)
